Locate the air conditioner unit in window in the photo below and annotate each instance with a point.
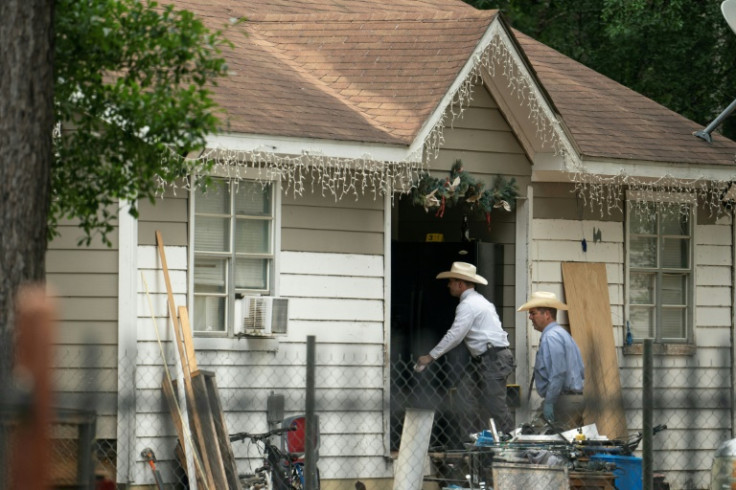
(262, 316)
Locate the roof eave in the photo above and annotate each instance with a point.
(285, 145)
(553, 168)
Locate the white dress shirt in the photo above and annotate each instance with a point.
(476, 322)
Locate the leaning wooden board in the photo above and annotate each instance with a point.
(586, 293)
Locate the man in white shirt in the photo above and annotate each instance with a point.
(477, 324)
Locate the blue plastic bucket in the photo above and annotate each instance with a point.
(628, 470)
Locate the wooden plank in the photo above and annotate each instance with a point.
(331, 287)
(173, 404)
(336, 309)
(480, 140)
(207, 434)
(70, 236)
(95, 285)
(713, 255)
(186, 335)
(88, 309)
(176, 259)
(223, 435)
(195, 419)
(332, 264)
(478, 163)
(331, 241)
(199, 423)
(176, 233)
(586, 292)
(331, 218)
(76, 261)
(172, 306)
(170, 209)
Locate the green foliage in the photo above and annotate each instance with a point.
(131, 93)
(462, 189)
(676, 52)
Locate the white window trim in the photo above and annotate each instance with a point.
(226, 340)
(684, 198)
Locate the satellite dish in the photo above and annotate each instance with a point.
(728, 9)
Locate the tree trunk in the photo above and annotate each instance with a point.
(26, 123)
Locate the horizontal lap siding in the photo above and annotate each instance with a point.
(692, 392)
(154, 427)
(313, 223)
(85, 281)
(331, 268)
(559, 240)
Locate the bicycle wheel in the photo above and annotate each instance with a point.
(250, 481)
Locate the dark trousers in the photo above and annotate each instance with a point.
(569, 410)
(485, 383)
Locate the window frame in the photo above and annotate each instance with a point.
(669, 199)
(273, 271)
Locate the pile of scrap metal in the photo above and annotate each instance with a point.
(578, 458)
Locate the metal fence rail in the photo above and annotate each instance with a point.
(361, 402)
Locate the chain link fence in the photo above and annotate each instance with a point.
(367, 410)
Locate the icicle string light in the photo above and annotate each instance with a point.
(343, 177)
(348, 177)
(608, 194)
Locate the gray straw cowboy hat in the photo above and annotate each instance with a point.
(543, 299)
(463, 271)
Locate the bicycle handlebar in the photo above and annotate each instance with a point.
(255, 437)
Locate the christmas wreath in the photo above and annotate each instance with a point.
(461, 188)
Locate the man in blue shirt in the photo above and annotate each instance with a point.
(478, 326)
(558, 367)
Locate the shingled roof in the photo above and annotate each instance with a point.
(370, 71)
(608, 120)
(347, 70)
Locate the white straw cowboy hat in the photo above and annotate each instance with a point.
(463, 271)
(543, 299)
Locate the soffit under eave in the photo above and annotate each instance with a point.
(602, 184)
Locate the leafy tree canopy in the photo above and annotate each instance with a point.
(679, 53)
(131, 95)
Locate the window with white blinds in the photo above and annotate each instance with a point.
(660, 271)
(233, 249)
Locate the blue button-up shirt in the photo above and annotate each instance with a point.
(558, 366)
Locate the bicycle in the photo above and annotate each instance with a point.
(279, 471)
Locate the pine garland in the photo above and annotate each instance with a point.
(461, 188)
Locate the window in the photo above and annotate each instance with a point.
(660, 271)
(233, 254)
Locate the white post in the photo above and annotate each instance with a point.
(524, 216)
(412, 462)
(127, 341)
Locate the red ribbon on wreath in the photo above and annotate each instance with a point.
(441, 211)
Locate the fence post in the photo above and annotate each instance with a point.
(647, 415)
(310, 454)
(30, 453)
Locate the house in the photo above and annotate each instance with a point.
(333, 109)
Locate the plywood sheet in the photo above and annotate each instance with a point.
(586, 294)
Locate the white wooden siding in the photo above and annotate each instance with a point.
(313, 223)
(690, 389)
(331, 268)
(84, 279)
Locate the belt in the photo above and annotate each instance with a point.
(572, 392)
(489, 349)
